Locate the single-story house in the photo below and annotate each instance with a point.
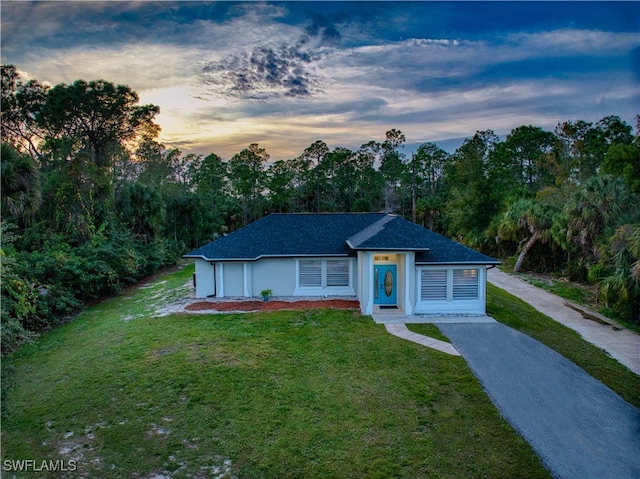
(382, 259)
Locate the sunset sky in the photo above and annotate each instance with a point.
(285, 74)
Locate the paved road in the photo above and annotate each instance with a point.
(578, 427)
(621, 344)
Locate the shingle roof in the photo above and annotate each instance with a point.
(390, 233)
(333, 234)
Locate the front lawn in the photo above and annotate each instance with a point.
(309, 394)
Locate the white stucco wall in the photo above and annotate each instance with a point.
(277, 274)
(249, 278)
(205, 279)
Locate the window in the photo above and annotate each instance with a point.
(326, 273)
(465, 284)
(337, 273)
(310, 274)
(433, 285)
(452, 284)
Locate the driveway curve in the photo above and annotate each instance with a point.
(578, 427)
(621, 344)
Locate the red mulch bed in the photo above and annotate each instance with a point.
(273, 305)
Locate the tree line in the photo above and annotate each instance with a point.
(91, 201)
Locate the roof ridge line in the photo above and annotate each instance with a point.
(370, 231)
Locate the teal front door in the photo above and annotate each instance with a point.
(384, 287)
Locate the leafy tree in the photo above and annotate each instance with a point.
(141, 207)
(309, 161)
(18, 308)
(73, 207)
(427, 210)
(103, 114)
(524, 161)
(582, 146)
(211, 190)
(392, 168)
(156, 164)
(280, 178)
(469, 208)
(624, 161)
(21, 103)
(368, 181)
(247, 178)
(337, 170)
(615, 131)
(426, 168)
(21, 193)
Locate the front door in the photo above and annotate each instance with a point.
(384, 286)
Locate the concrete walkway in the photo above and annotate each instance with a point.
(400, 330)
(621, 344)
(395, 322)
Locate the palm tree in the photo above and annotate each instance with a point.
(601, 202)
(526, 220)
(621, 287)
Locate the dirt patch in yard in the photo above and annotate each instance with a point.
(273, 305)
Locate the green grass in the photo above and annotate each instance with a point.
(566, 290)
(519, 315)
(317, 393)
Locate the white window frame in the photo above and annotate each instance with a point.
(324, 287)
(453, 287)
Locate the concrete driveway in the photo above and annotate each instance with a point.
(580, 428)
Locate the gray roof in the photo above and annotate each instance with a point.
(336, 234)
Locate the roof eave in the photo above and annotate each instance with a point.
(445, 263)
(256, 258)
(381, 248)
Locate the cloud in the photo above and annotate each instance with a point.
(326, 28)
(263, 73)
(286, 74)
